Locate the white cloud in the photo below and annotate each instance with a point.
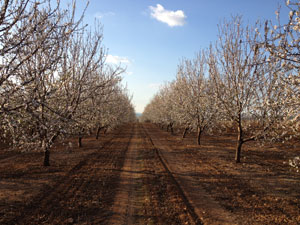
(114, 59)
(100, 15)
(172, 18)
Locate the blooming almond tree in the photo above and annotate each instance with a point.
(52, 71)
(31, 82)
(282, 43)
(103, 100)
(195, 105)
(160, 109)
(42, 99)
(247, 90)
(27, 29)
(81, 79)
(167, 109)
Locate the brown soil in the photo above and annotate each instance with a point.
(78, 187)
(263, 189)
(140, 174)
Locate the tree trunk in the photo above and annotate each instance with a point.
(47, 157)
(240, 142)
(46, 146)
(80, 141)
(98, 132)
(184, 132)
(199, 136)
(171, 129)
(238, 152)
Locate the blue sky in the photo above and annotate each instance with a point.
(150, 37)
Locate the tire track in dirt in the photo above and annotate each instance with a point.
(189, 206)
(126, 202)
(203, 208)
(8, 156)
(81, 194)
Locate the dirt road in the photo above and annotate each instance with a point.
(146, 192)
(139, 174)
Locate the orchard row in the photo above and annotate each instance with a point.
(248, 80)
(54, 81)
